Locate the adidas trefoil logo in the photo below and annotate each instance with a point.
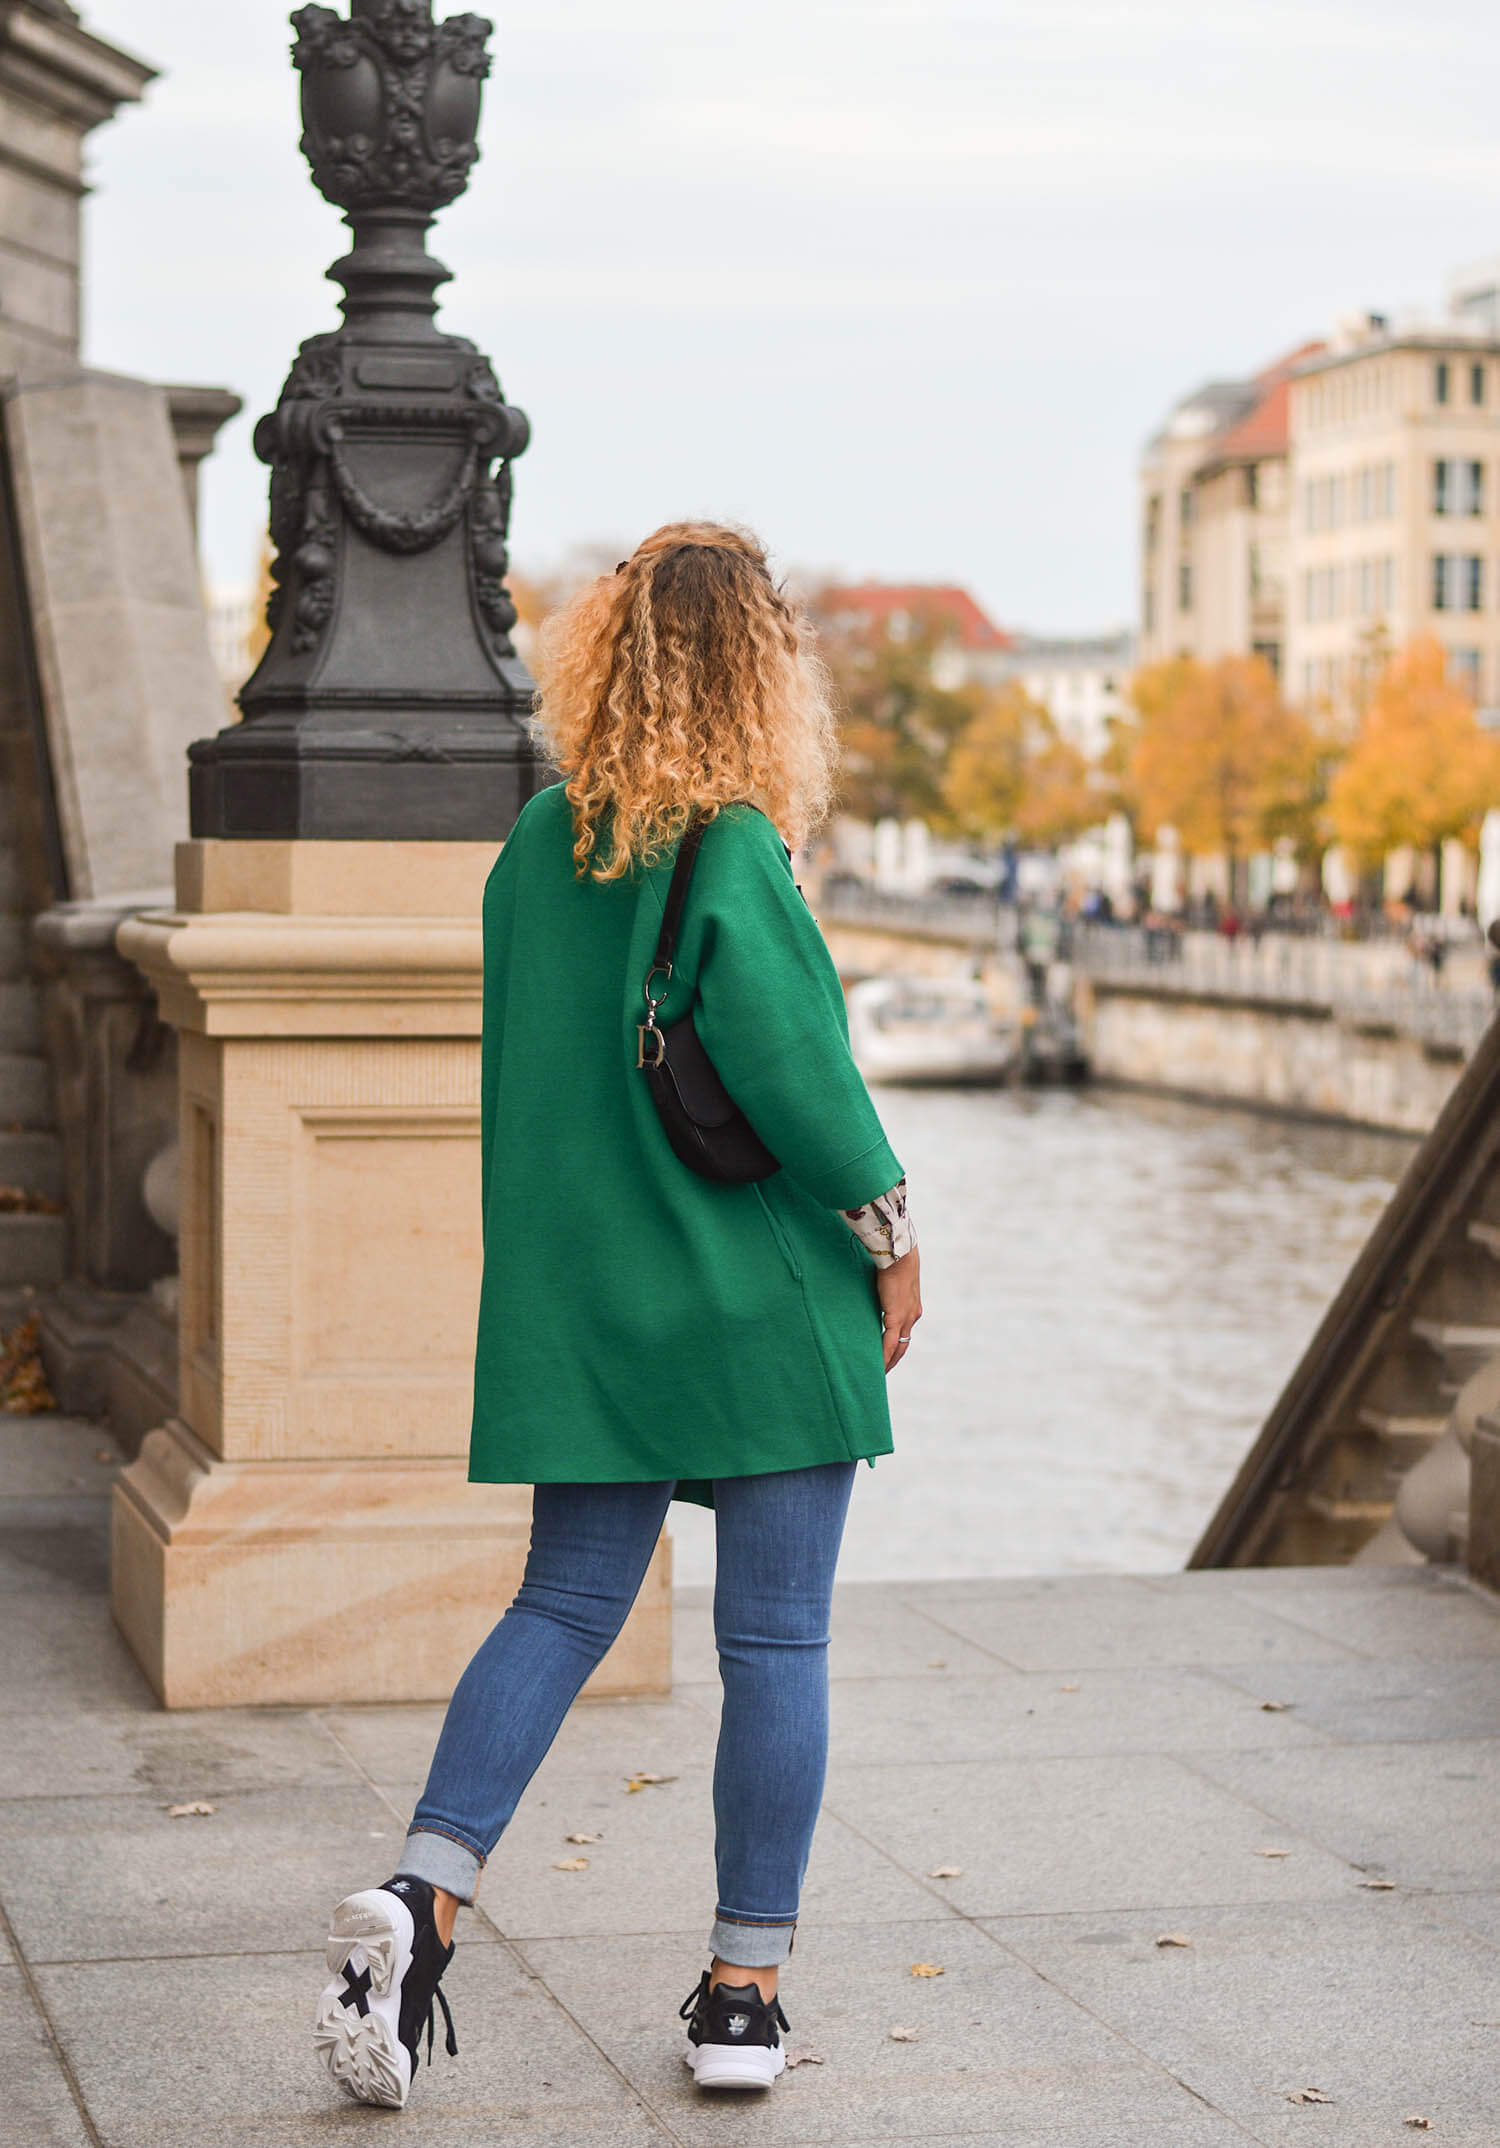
(736, 2024)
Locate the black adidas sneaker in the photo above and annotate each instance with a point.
(734, 2035)
(387, 1962)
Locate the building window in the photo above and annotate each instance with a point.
(1440, 381)
(1476, 383)
(1252, 485)
(1185, 507)
(1148, 609)
(1463, 670)
(1269, 653)
(1457, 582)
(1153, 520)
(1389, 508)
(1310, 506)
(1440, 494)
(1388, 583)
(1366, 600)
(1184, 585)
(1473, 492)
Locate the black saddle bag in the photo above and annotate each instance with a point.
(705, 1126)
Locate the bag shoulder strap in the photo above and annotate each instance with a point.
(682, 873)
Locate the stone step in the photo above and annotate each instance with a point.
(1404, 1435)
(14, 954)
(1467, 1342)
(32, 1161)
(33, 1249)
(1337, 1507)
(20, 1016)
(25, 1092)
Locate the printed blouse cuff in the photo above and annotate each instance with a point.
(883, 1226)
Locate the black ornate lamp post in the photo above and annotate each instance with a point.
(390, 702)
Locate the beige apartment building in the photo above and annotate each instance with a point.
(1215, 494)
(1395, 461)
(1330, 508)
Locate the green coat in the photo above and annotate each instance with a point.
(638, 1322)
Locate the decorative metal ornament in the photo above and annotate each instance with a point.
(390, 701)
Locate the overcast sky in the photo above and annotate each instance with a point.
(904, 283)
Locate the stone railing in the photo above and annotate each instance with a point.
(1372, 986)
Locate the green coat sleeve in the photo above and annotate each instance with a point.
(770, 1012)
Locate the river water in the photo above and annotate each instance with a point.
(1116, 1288)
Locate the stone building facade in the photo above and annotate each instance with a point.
(1336, 504)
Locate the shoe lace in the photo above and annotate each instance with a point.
(450, 2041)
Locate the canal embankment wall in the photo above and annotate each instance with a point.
(1301, 1057)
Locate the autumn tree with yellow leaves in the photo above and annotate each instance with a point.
(1420, 770)
(1011, 773)
(897, 725)
(1218, 755)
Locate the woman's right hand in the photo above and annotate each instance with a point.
(899, 1289)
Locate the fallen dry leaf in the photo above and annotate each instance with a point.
(571, 1864)
(1423, 2125)
(639, 1780)
(23, 1384)
(1308, 2095)
(900, 2035)
(926, 1969)
(583, 1836)
(1067, 1689)
(1173, 1939)
(1379, 1886)
(1273, 1853)
(938, 1663)
(803, 2055)
(1274, 1707)
(946, 1872)
(21, 1201)
(198, 1809)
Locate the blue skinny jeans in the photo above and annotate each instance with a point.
(778, 1543)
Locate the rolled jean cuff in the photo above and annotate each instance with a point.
(751, 1946)
(443, 1861)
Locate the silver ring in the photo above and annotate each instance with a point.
(903, 1338)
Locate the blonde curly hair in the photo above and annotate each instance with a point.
(683, 682)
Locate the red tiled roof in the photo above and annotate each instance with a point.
(1265, 429)
(932, 604)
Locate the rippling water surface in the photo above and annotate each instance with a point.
(1116, 1289)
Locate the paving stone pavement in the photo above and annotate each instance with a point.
(1093, 1755)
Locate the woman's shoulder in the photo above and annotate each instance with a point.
(543, 812)
(544, 822)
(747, 833)
(544, 809)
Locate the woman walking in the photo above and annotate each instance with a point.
(647, 1332)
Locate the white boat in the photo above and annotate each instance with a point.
(929, 1030)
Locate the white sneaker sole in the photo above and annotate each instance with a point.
(734, 2065)
(363, 2052)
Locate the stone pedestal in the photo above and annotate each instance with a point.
(303, 1530)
